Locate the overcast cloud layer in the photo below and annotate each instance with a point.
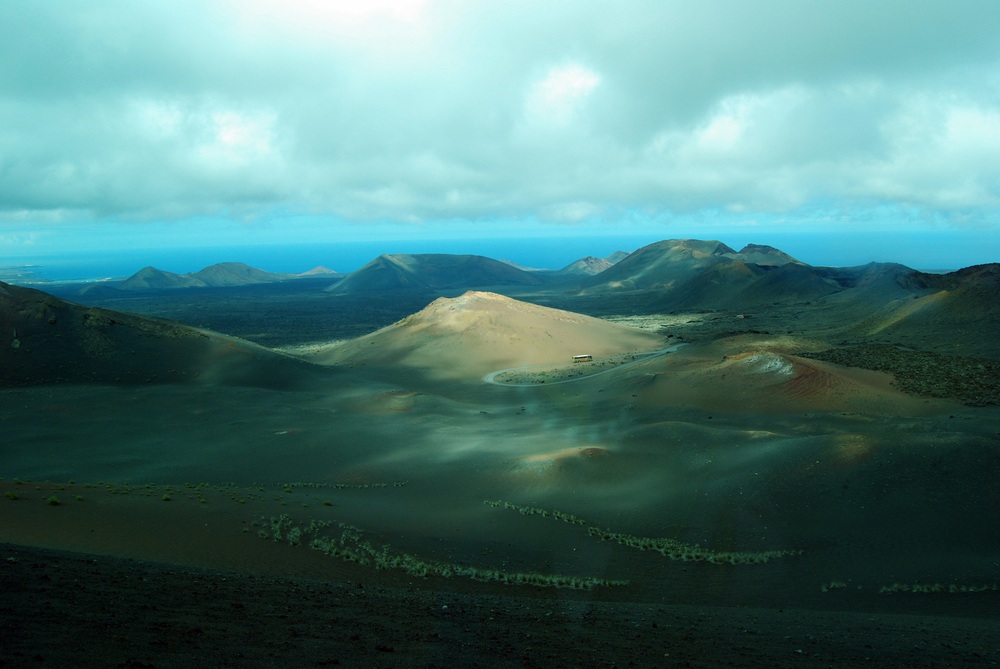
(409, 111)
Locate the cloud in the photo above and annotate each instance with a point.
(440, 110)
(20, 238)
(571, 212)
(556, 97)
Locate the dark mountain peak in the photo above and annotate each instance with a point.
(878, 277)
(883, 269)
(721, 249)
(975, 276)
(586, 266)
(220, 274)
(694, 246)
(758, 248)
(235, 274)
(430, 272)
(150, 271)
(230, 265)
(661, 265)
(616, 257)
(988, 273)
(318, 271)
(761, 254)
(151, 278)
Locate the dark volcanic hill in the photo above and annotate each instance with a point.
(738, 285)
(319, 271)
(588, 266)
(48, 340)
(616, 257)
(970, 295)
(760, 254)
(718, 286)
(235, 274)
(431, 273)
(219, 275)
(660, 266)
(150, 278)
(708, 275)
(959, 310)
(668, 265)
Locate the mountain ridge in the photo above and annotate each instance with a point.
(432, 272)
(55, 341)
(219, 275)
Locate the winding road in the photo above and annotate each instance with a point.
(492, 376)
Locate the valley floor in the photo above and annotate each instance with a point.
(749, 444)
(76, 610)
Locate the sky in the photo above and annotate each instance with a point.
(841, 131)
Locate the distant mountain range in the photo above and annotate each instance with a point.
(440, 272)
(655, 267)
(401, 272)
(658, 265)
(673, 274)
(224, 274)
(668, 276)
(886, 301)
